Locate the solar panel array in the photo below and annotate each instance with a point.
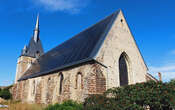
(78, 48)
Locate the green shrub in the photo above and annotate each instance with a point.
(5, 94)
(155, 95)
(67, 105)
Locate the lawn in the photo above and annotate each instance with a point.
(21, 106)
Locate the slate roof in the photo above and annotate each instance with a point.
(81, 48)
(33, 48)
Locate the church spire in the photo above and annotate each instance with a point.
(24, 50)
(34, 48)
(36, 31)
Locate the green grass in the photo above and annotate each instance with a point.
(67, 105)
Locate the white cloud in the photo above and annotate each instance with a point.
(6, 82)
(167, 71)
(73, 6)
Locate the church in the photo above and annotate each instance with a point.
(103, 56)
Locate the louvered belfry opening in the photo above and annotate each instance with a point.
(123, 70)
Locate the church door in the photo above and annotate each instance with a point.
(123, 70)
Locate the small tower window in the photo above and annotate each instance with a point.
(25, 51)
(121, 20)
(37, 54)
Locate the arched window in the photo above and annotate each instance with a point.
(79, 81)
(61, 83)
(49, 81)
(123, 69)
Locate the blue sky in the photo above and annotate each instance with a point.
(152, 23)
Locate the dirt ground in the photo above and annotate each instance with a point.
(3, 109)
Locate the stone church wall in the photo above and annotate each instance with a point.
(45, 89)
(120, 40)
(23, 64)
(79, 82)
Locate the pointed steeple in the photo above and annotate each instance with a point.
(34, 48)
(36, 31)
(37, 23)
(24, 50)
(25, 47)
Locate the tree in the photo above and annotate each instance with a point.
(5, 93)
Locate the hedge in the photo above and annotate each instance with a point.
(5, 93)
(153, 95)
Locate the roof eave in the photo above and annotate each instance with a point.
(56, 69)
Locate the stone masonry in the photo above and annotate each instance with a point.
(45, 89)
(23, 64)
(78, 82)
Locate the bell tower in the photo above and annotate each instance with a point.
(29, 53)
